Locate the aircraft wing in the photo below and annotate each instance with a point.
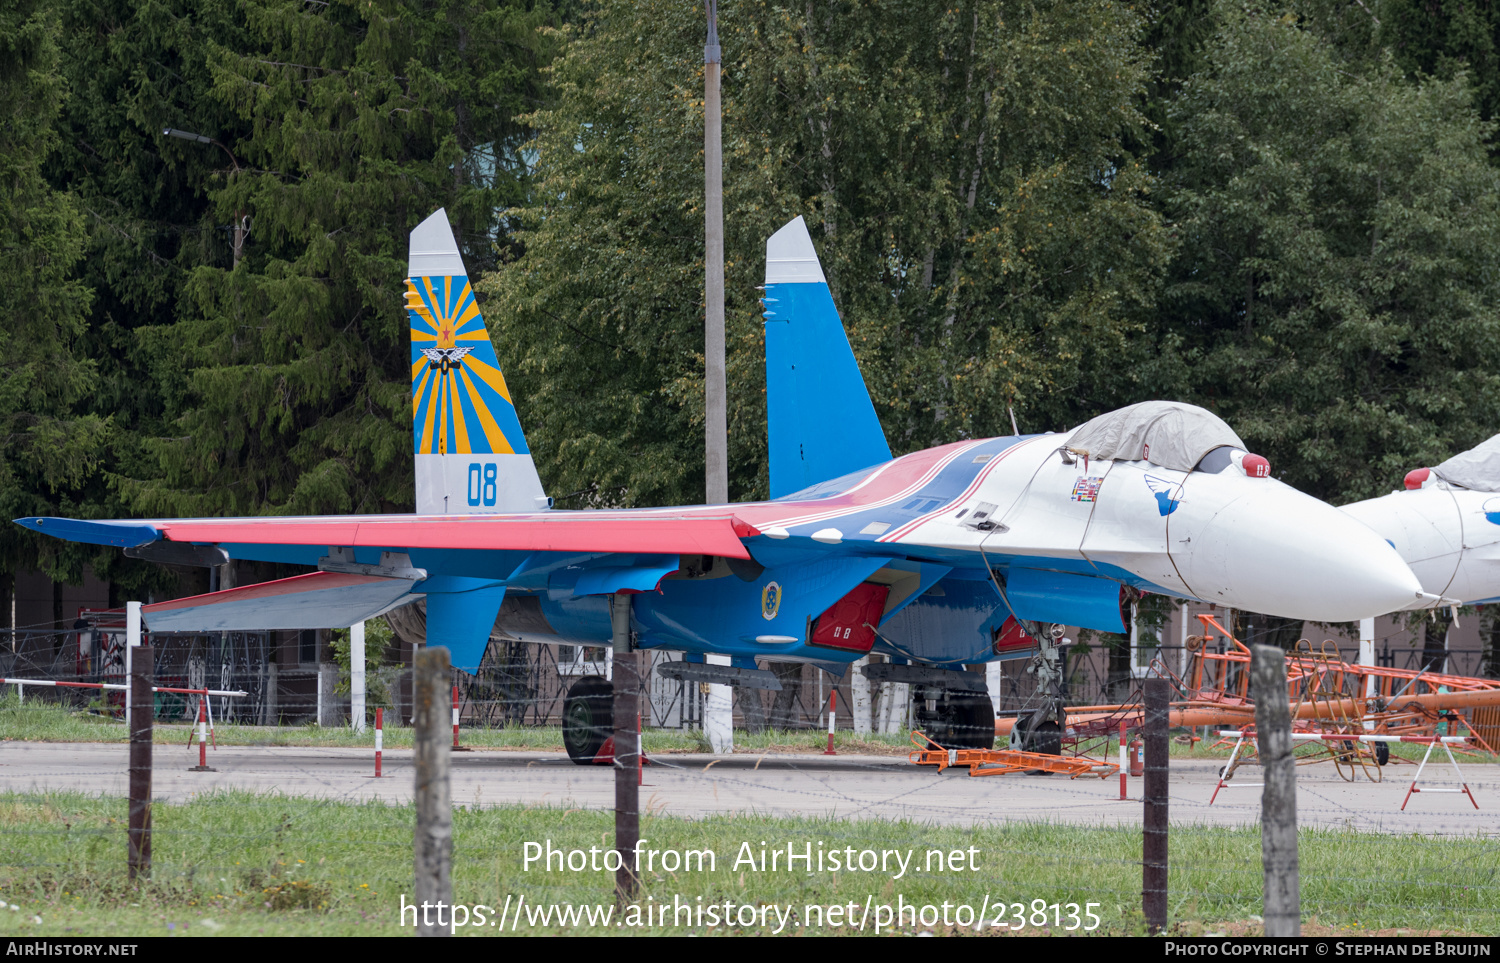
(661, 533)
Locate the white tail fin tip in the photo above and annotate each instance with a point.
(434, 252)
(790, 258)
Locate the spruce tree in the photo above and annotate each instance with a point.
(360, 119)
(133, 69)
(46, 448)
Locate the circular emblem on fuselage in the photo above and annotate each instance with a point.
(770, 601)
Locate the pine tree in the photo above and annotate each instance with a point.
(360, 120)
(46, 449)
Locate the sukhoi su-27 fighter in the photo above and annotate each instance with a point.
(937, 559)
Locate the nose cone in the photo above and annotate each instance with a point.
(1259, 545)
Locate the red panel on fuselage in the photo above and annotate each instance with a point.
(1012, 637)
(847, 624)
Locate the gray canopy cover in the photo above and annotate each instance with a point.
(1477, 469)
(1166, 433)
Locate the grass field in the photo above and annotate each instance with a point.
(237, 864)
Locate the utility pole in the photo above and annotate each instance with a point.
(719, 711)
(715, 417)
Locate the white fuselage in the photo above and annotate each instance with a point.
(1248, 543)
(1449, 536)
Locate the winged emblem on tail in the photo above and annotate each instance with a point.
(445, 358)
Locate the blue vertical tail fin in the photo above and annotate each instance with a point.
(820, 421)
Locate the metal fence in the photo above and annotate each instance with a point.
(518, 683)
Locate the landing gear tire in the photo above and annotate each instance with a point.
(588, 718)
(958, 720)
(1047, 739)
(973, 721)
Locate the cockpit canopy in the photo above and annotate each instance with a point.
(1166, 433)
(1477, 469)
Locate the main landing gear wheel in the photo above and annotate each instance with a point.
(588, 718)
(1047, 739)
(973, 722)
(959, 720)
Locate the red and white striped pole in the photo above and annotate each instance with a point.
(455, 717)
(202, 740)
(833, 703)
(379, 739)
(1124, 765)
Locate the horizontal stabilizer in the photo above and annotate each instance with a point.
(319, 600)
(820, 422)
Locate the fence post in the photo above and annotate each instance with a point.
(1154, 845)
(328, 702)
(1278, 800)
(434, 835)
(132, 642)
(357, 676)
(142, 703)
(627, 747)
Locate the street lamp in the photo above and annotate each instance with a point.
(241, 226)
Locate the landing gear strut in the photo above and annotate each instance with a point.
(952, 708)
(1042, 729)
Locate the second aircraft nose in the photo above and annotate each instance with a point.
(1260, 545)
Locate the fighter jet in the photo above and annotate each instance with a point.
(938, 559)
(1446, 524)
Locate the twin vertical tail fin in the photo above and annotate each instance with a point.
(471, 453)
(820, 421)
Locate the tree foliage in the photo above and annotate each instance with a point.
(1438, 38)
(47, 447)
(1336, 292)
(360, 120)
(984, 232)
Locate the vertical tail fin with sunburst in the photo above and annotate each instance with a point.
(470, 450)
